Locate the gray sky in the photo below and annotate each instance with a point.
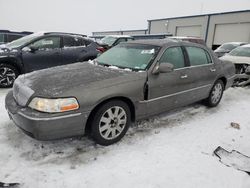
(81, 16)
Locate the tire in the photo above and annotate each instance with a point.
(110, 122)
(8, 74)
(215, 94)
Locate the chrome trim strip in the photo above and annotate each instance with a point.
(193, 66)
(47, 119)
(181, 92)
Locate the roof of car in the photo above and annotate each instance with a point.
(155, 42)
(236, 43)
(120, 36)
(165, 42)
(63, 33)
(184, 37)
(246, 45)
(16, 32)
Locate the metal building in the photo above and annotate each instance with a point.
(215, 29)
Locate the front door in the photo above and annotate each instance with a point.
(169, 90)
(48, 54)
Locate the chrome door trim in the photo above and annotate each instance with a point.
(178, 93)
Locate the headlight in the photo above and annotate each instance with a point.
(54, 105)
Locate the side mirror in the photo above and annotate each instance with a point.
(33, 49)
(163, 68)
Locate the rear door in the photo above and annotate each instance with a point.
(47, 55)
(170, 90)
(202, 70)
(74, 49)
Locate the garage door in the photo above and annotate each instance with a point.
(191, 31)
(239, 32)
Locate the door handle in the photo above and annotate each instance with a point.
(212, 69)
(184, 76)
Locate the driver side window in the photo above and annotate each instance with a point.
(174, 56)
(47, 43)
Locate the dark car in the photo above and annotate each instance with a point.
(113, 40)
(41, 51)
(227, 47)
(7, 36)
(131, 81)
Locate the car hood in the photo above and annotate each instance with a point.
(57, 81)
(221, 51)
(5, 52)
(236, 59)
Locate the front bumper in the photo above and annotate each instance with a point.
(45, 126)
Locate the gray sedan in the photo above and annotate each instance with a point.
(129, 82)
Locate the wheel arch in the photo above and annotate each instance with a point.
(121, 98)
(223, 79)
(13, 62)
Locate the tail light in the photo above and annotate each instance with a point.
(100, 49)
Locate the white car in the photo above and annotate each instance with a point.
(240, 57)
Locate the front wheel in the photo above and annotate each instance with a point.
(8, 74)
(215, 94)
(111, 122)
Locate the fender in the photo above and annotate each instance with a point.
(12, 60)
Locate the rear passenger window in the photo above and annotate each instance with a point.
(174, 56)
(72, 41)
(198, 56)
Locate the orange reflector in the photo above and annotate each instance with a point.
(69, 107)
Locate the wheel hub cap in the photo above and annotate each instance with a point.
(7, 76)
(112, 122)
(216, 93)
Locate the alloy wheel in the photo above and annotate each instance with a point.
(7, 76)
(112, 122)
(216, 93)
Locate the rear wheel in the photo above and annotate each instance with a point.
(215, 94)
(8, 74)
(111, 122)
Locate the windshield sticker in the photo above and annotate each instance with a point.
(152, 51)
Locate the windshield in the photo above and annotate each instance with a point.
(132, 56)
(241, 51)
(22, 41)
(109, 40)
(228, 47)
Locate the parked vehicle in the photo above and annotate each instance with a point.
(41, 51)
(7, 36)
(240, 57)
(129, 82)
(227, 47)
(113, 40)
(189, 39)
